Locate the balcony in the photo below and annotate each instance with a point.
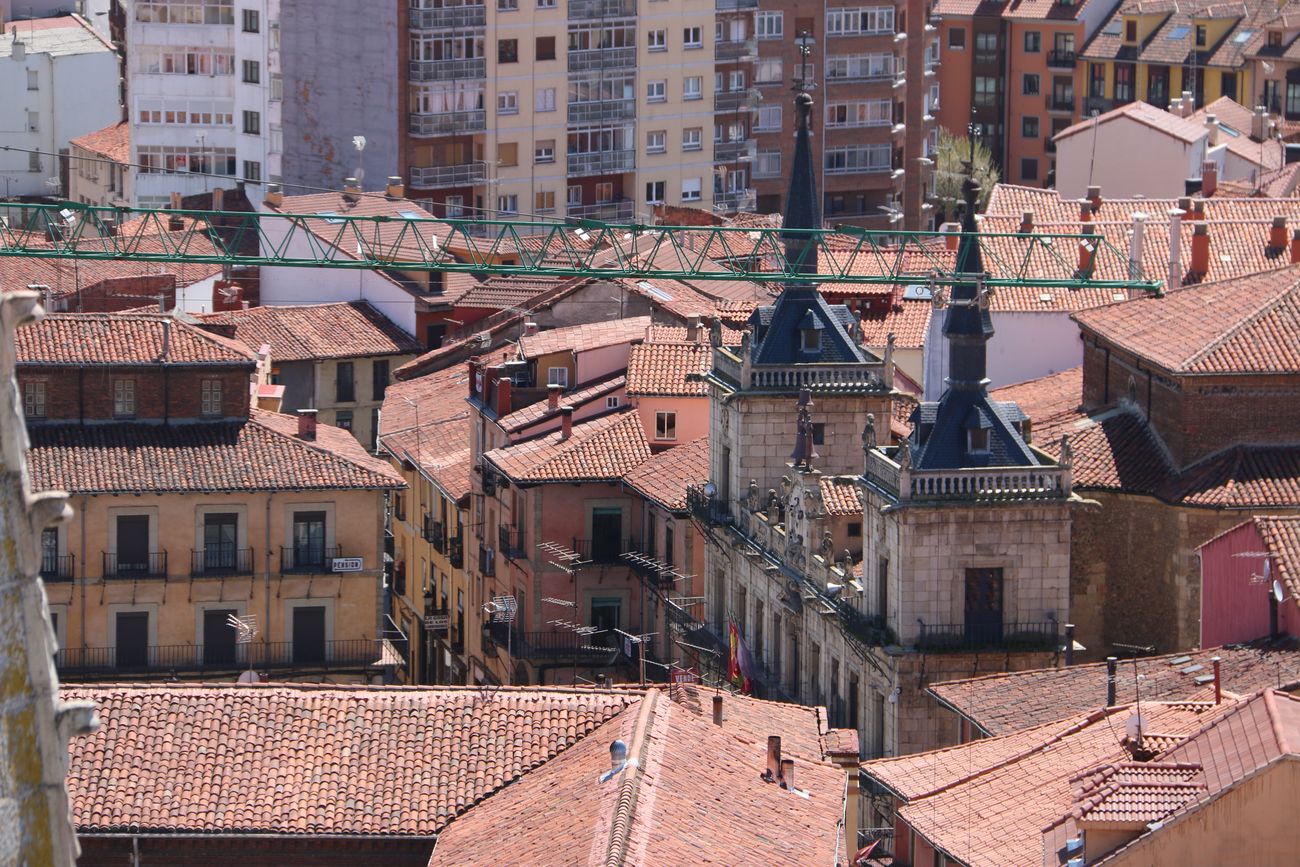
(487, 561)
(735, 200)
(164, 660)
(995, 483)
(448, 17)
(448, 70)
(595, 112)
(456, 552)
(1060, 102)
(707, 507)
(593, 59)
(553, 646)
(1061, 59)
(448, 122)
(620, 211)
(585, 10)
(958, 637)
(602, 162)
(1099, 104)
(433, 177)
(742, 150)
(734, 5)
(603, 551)
(735, 50)
(433, 533)
(510, 542)
(307, 558)
(841, 378)
(55, 567)
(735, 100)
(220, 561)
(151, 565)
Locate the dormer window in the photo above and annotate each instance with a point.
(811, 339)
(1130, 30)
(977, 441)
(1274, 39)
(1201, 35)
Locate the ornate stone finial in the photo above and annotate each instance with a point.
(1067, 452)
(905, 454)
(869, 433)
(715, 332)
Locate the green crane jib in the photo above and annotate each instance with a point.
(415, 242)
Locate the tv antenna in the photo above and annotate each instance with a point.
(639, 641)
(245, 627)
(502, 609)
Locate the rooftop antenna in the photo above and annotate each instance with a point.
(638, 640)
(245, 627)
(359, 145)
(504, 609)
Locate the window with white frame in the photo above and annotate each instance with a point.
(693, 87)
(557, 376)
(508, 205)
(692, 37)
(867, 112)
(769, 118)
(768, 71)
(860, 20)
(692, 138)
(769, 25)
(665, 425)
(656, 141)
(657, 40)
(544, 201)
(690, 189)
(736, 80)
(654, 192)
(544, 99)
(508, 102)
(544, 151)
(186, 11)
(656, 91)
(851, 67)
(767, 164)
(612, 402)
(124, 398)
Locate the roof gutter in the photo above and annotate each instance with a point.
(952, 707)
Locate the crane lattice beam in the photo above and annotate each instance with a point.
(584, 248)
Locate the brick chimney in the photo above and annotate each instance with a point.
(1085, 210)
(1027, 222)
(717, 710)
(530, 328)
(504, 385)
(1295, 247)
(773, 772)
(566, 422)
(1200, 249)
(307, 424)
(1198, 208)
(1088, 248)
(553, 393)
(274, 195)
(395, 189)
(175, 202)
(471, 367)
(351, 190)
(1277, 235)
(693, 329)
(218, 199)
(787, 773)
(1209, 178)
(1094, 196)
(952, 235)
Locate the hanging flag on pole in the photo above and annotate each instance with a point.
(739, 662)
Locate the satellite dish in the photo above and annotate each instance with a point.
(710, 489)
(1279, 592)
(249, 676)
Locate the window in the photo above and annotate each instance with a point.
(1124, 82)
(957, 38)
(344, 386)
(690, 189)
(1029, 127)
(455, 206)
(665, 425)
(131, 639)
(656, 91)
(1033, 42)
(252, 21)
(34, 399)
(605, 191)
(656, 141)
(545, 4)
(767, 164)
(612, 402)
(692, 138)
(544, 99)
(544, 151)
(210, 397)
(769, 25)
(1097, 80)
(124, 398)
(546, 48)
(1292, 100)
(1130, 31)
(33, 162)
(852, 22)
(343, 419)
(33, 79)
(508, 153)
(33, 121)
(986, 90)
(1030, 85)
(507, 51)
(557, 376)
(186, 11)
(1201, 35)
(657, 40)
(654, 192)
(574, 196)
(768, 71)
(252, 170)
(544, 201)
(769, 117)
(252, 71)
(252, 123)
(1029, 169)
(508, 205)
(693, 87)
(508, 102)
(692, 38)
(379, 378)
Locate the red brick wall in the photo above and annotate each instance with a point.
(228, 852)
(72, 395)
(124, 293)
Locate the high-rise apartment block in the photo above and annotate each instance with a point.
(204, 94)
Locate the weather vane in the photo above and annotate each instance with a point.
(805, 49)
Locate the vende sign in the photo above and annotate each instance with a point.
(685, 675)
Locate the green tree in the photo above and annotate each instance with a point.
(950, 171)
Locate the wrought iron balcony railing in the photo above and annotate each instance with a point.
(308, 558)
(151, 565)
(89, 662)
(1061, 59)
(603, 550)
(217, 560)
(1027, 636)
(510, 542)
(57, 567)
(554, 646)
(456, 69)
(449, 17)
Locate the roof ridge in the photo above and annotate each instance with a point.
(310, 445)
(1270, 705)
(629, 789)
(1250, 319)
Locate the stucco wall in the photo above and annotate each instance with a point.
(1024, 346)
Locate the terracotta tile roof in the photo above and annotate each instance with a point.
(1238, 326)
(1043, 10)
(434, 430)
(1230, 113)
(540, 411)
(1137, 792)
(994, 815)
(1000, 704)
(1282, 537)
(261, 455)
(662, 369)
(351, 329)
(604, 449)
(125, 339)
(659, 333)
(499, 293)
(1053, 403)
(664, 477)
(963, 8)
(693, 797)
(1240, 477)
(908, 321)
(1279, 183)
(313, 760)
(584, 338)
(841, 495)
(1183, 129)
(111, 142)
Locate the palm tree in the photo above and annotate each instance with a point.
(951, 167)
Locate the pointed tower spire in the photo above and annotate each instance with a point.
(967, 325)
(802, 208)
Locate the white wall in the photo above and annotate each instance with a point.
(1024, 346)
(1131, 159)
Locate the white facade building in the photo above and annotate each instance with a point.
(203, 86)
(58, 81)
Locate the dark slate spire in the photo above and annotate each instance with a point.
(967, 325)
(802, 207)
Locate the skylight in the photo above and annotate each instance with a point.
(330, 214)
(1113, 28)
(1179, 32)
(410, 215)
(647, 286)
(1229, 130)
(1243, 36)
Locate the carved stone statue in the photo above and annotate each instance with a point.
(772, 501)
(752, 496)
(905, 454)
(715, 331)
(1067, 452)
(827, 546)
(869, 433)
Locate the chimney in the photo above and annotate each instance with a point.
(566, 422)
(307, 424)
(787, 773)
(395, 189)
(693, 329)
(1292, 153)
(717, 710)
(244, 305)
(1088, 248)
(1218, 681)
(1212, 127)
(351, 190)
(1295, 247)
(504, 386)
(1191, 186)
(952, 235)
(1085, 210)
(1135, 244)
(1175, 245)
(1111, 665)
(1201, 250)
(773, 772)
(1176, 107)
(1069, 644)
(1027, 430)
(1209, 178)
(1259, 123)
(1198, 208)
(1027, 222)
(1094, 196)
(472, 369)
(553, 393)
(19, 50)
(1185, 204)
(530, 328)
(274, 195)
(1189, 104)
(1277, 235)
(167, 334)
(218, 199)
(175, 203)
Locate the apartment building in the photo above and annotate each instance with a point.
(39, 58)
(192, 507)
(204, 91)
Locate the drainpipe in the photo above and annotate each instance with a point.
(266, 624)
(85, 503)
